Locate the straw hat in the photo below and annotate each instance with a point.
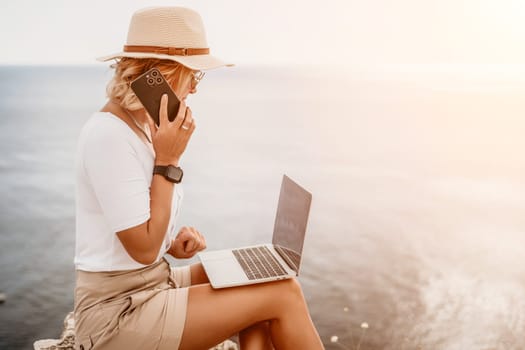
(172, 33)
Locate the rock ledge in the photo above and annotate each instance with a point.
(67, 339)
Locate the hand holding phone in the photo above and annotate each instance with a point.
(149, 88)
(170, 138)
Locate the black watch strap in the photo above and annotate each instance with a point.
(170, 172)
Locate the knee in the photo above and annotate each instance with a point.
(292, 288)
(283, 297)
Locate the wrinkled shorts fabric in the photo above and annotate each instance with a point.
(135, 309)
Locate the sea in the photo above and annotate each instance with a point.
(416, 235)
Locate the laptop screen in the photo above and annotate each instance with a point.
(290, 222)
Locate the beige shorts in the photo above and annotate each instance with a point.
(136, 309)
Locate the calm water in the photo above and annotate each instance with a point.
(417, 224)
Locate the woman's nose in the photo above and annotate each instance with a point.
(193, 90)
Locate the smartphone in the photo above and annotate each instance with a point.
(149, 88)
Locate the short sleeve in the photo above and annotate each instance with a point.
(117, 177)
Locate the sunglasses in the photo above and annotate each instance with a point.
(197, 77)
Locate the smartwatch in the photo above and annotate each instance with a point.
(170, 172)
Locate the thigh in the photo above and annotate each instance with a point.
(198, 275)
(215, 314)
(157, 322)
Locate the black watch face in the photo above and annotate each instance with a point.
(174, 173)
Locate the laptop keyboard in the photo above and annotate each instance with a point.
(258, 262)
(290, 257)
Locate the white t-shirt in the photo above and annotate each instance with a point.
(114, 169)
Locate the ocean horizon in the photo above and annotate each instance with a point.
(418, 180)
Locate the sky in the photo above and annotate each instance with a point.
(328, 32)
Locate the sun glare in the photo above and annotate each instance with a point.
(506, 15)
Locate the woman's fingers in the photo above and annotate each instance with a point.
(188, 239)
(202, 240)
(199, 238)
(195, 244)
(152, 126)
(180, 114)
(163, 111)
(192, 239)
(170, 140)
(188, 120)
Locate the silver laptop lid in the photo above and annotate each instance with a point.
(290, 222)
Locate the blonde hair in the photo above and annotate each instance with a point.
(127, 69)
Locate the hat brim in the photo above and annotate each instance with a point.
(196, 62)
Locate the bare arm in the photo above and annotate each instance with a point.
(143, 242)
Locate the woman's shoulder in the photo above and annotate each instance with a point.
(103, 126)
(105, 120)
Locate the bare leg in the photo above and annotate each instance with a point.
(198, 276)
(256, 337)
(224, 312)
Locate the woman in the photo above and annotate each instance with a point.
(126, 295)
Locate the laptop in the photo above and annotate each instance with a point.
(267, 262)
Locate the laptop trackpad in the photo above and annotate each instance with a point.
(224, 271)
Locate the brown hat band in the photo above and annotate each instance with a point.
(179, 51)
